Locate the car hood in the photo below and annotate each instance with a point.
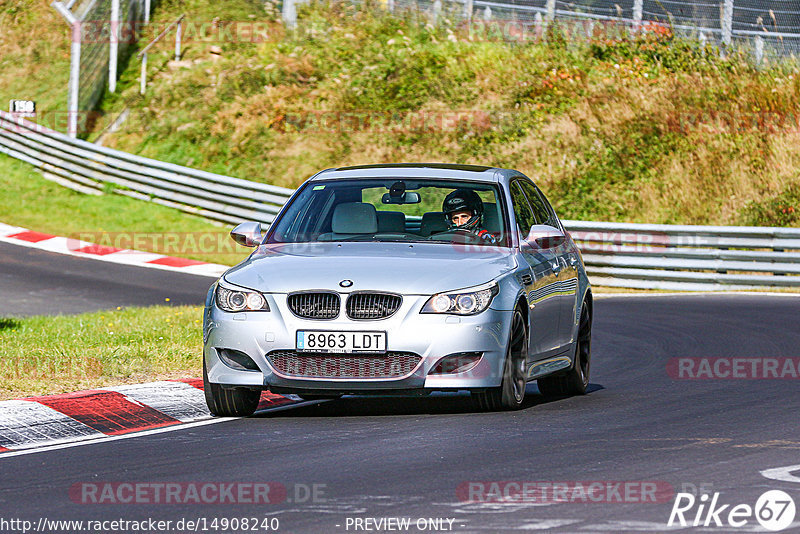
(411, 269)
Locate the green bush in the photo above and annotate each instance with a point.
(780, 210)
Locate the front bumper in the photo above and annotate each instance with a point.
(431, 336)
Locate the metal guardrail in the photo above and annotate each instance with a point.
(649, 256)
(695, 258)
(92, 168)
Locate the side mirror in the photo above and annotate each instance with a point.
(545, 236)
(247, 234)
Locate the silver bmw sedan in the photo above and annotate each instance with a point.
(402, 279)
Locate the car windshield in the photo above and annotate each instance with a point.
(387, 209)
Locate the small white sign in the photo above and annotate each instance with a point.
(22, 108)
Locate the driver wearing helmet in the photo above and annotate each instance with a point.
(463, 210)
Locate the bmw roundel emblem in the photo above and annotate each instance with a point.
(346, 283)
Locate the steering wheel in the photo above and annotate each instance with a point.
(453, 233)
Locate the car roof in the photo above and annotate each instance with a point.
(416, 170)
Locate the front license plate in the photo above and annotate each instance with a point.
(344, 342)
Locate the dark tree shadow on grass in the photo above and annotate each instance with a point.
(9, 323)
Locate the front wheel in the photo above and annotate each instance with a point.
(576, 380)
(234, 402)
(511, 393)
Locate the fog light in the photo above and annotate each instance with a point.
(456, 363)
(237, 360)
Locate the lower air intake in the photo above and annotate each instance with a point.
(312, 365)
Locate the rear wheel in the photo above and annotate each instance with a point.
(576, 380)
(234, 402)
(511, 393)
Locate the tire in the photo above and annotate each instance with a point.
(234, 402)
(576, 380)
(511, 393)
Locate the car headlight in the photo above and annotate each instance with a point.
(230, 300)
(464, 302)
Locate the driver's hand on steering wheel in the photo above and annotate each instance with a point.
(485, 236)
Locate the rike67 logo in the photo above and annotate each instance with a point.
(774, 510)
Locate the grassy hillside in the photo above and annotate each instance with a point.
(651, 130)
(34, 64)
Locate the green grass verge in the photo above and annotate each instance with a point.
(48, 355)
(30, 201)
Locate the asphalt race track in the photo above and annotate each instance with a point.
(35, 282)
(411, 458)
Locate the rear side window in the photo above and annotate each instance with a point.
(540, 209)
(522, 211)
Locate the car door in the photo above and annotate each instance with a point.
(567, 259)
(542, 302)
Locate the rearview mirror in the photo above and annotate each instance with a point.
(545, 236)
(409, 197)
(247, 234)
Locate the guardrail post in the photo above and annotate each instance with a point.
(289, 14)
(143, 75)
(178, 42)
(436, 11)
(727, 27)
(759, 50)
(113, 46)
(468, 10)
(550, 16)
(637, 15)
(74, 67)
(538, 25)
(74, 80)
